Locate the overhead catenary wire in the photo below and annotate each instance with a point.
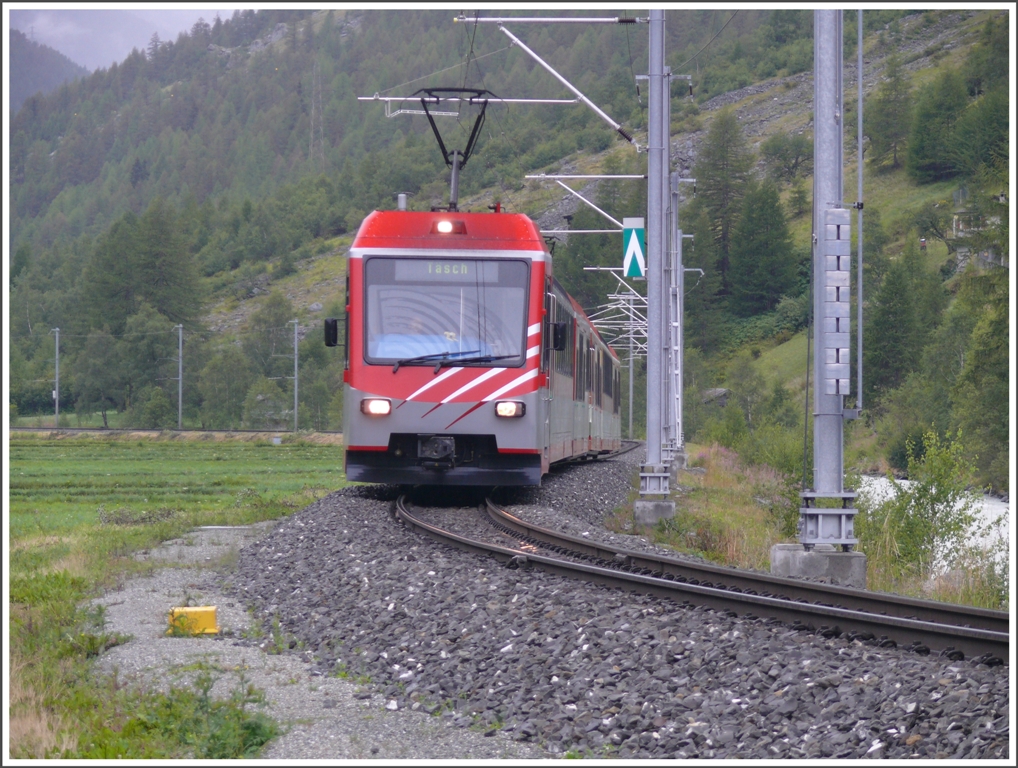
(709, 41)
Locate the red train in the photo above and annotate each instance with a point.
(466, 362)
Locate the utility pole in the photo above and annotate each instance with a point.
(631, 372)
(180, 376)
(56, 380)
(831, 303)
(654, 474)
(295, 326)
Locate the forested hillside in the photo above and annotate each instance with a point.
(37, 68)
(230, 167)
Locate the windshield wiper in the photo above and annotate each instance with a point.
(479, 359)
(441, 356)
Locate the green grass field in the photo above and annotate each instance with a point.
(58, 485)
(80, 507)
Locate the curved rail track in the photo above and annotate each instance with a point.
(921, 625)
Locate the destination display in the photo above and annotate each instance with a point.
(417, 270)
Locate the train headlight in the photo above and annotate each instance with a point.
(510, 409)
(449, 227)
(376, 406)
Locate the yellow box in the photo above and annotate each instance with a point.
(194, 620)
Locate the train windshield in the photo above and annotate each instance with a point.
(466, 311)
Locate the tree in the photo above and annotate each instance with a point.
(148, 348)
(905, 311)
(722, 172)
(981, 133)
(165, 270)
(747, 386)
(266, 407)
(20, 261)
(888, 115)
(702, 309)
(787, 155)
(268, 340)
(987, 65)
(762, 267)
(926, 524)
(142, 260)
(980, 396)
(98, 376)
(223, 384)
(798, 200)
(156, 411)
(938, 106)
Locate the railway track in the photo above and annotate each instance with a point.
(884, 619)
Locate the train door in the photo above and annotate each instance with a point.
(547, 395)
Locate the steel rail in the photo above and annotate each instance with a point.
(971, 642)
(793, 589)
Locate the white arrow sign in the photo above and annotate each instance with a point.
(633, 262)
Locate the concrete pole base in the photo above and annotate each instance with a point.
(824, 562)
(647, 513)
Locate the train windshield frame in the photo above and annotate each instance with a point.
(467, 311)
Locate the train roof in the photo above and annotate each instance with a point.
(471, 231)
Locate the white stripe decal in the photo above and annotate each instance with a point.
(535, 328)
(532, 352)
(435, 381)
(474, 253)
(515, 382)
(474, 383)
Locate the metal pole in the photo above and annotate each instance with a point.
(680, 344)
(669, 438)
(858, 323)
(631, 371)
(295, 325)
(828, 111)
(831, 302)
(56, 381)
(180, 377)
(655, 262)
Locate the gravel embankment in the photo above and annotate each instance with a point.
(570, 666)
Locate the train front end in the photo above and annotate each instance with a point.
(445, 324)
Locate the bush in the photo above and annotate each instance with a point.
(926, 525)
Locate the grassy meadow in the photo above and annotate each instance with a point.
(80, 507)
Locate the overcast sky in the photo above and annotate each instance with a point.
(99, 36)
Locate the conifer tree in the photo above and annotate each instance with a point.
(938, 106)
(722, 171)
(762, 263)
(888, 115)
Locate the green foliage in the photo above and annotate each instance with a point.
(887, 116)
(187, 721)
(99, 377)
(141, 260)
(798, 199)
(939, 104)
(224, 383)
(980, 394)
(762, 265)
(981, 132)
(986, 67)
(926, 524)
(787, 156)
(266, 406)
(155, 410)
(722, 171)
(906, 311)
(269, 336)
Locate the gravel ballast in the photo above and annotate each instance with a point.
(576, 668)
